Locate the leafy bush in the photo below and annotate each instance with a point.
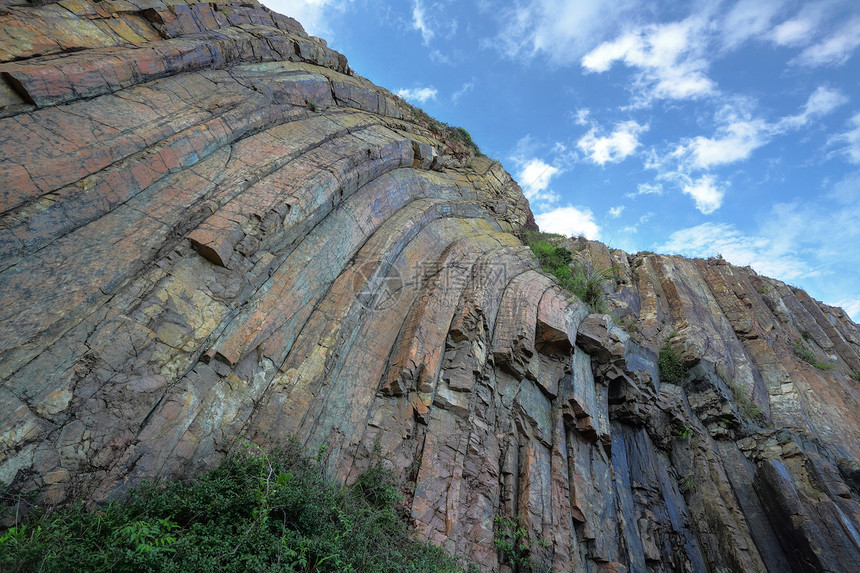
(512, 541)
(573, 275)
(257, 511)
(672, 370)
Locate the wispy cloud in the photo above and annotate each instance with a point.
(560, 30)
(612, 148)
(466, 88)
(757, 251)
(833, 50)
(738, 134)
(535, 175)
(646, 189)
(420, 95)
(848, 143)
(569, 221)
(801, 29)
(822, 101)
(615, 212)
(748, 19)
(419, 22)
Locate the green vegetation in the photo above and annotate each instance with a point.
(672, 370)
(257, 511)
(744, 404)
(443, 130)
(573, 275)
(805, 353)
(688, 484)
(685, 432)
(513, 543)
(312, 105)
(855, 376)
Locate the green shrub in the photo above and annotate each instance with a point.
(672, 370)
(512, 541)
(573, 275)
(257, 511)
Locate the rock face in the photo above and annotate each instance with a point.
(213, 229)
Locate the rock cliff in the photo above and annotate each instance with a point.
(212, 228)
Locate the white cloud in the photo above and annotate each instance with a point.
(559, 29)
(569, 221)
(707, 195)
(420, 23)
(312, 14)
(581, 116)
(467, 87)
(647, 189)
(822, 101)
(615, 212)
(669, 59)
(420, 95)
(439, 58)
(739, 133)
(535, 176)
(834, 50)
(800, 30)
(615, 147)
(709, 239)
(748, 19)
(848, 143)
(734, 141)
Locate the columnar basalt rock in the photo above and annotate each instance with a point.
(212, 229)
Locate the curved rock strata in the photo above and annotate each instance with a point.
(211, 228)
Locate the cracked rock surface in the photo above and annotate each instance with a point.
(212, 229)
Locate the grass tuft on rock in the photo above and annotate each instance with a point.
(572, 274)
(257, 511)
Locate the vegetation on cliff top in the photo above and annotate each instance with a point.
(574, 275)
(448, 133)
(257, 511)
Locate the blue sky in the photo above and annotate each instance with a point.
(694, 127)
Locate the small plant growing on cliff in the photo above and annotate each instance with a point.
(685, 432)
(805, 354)
(512, 541)
(312, 105)
(688, 484)
(672, 370)
(744, 404)
(573, 275)
(855, 376)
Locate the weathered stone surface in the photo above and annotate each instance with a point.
(212, 229)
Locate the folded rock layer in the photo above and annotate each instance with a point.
(212, 229)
